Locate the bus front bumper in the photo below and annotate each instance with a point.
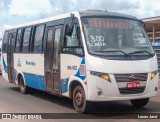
(108, 91)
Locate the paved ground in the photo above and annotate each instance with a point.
(12, 101)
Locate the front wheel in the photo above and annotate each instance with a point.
(140, 102)
(23, 88)
(79, 100)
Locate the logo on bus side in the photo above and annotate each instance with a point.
(30, 63)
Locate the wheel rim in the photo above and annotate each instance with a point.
(79, 98)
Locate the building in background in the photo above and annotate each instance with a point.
(152, 26)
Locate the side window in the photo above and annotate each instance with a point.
(18, 40)
(26, 39)
(13, 40)
(72, 39)
(71, 35)
(5, 38)
(38, 40)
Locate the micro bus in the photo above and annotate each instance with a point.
(88, 56)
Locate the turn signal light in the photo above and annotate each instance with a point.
(105, 77)
(153, 74)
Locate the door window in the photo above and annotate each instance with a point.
(49, 48)
(56, 48)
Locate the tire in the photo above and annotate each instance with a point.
(140, 102)
(23, 88)
(79, 100)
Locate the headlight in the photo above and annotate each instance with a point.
(104, 76)
(153, 74)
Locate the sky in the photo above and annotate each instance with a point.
(13, 12)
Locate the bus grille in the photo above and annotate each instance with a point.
(132, 90)
(128, 77)
(124, 78)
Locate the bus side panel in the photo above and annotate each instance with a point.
(4, 66)
(32, 67)
(72, 69)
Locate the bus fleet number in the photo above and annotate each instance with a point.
(72, 67)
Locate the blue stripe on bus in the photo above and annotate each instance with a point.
(35, 81)
(4, 65)
(38, 81)
(64, 87)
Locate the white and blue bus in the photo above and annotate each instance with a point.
(88, 56)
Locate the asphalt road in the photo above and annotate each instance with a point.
(12, 101)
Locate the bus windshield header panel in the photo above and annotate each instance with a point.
(116, 37)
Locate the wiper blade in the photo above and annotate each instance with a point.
(143, 51)
(113, 51)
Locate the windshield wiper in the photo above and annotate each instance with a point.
(114, 51)
(143, 51)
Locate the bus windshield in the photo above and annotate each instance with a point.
(116, 37)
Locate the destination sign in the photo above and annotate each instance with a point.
(113, 24)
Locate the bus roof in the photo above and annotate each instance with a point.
(104, 13)
(81, 13)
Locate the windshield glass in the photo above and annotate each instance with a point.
(114, 36)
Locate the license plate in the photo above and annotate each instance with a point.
(133, 84)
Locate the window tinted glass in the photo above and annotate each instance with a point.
(38, 38)
(11, 42)
(4, 47)
(26, 39)
(18, 41)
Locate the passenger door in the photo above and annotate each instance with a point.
(52, 59)
(10, 62)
